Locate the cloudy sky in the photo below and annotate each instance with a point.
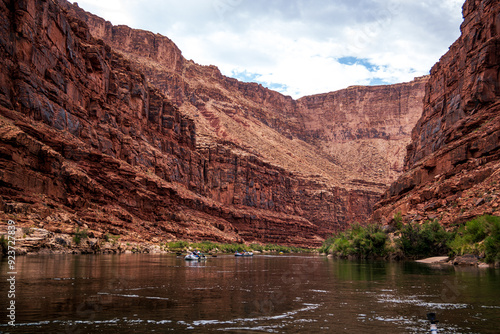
(300, 47)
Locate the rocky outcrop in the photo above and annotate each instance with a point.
(110, 129)
(452, 164)
(365, 129)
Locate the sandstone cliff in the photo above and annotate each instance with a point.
(111, 129)
(452, 164)
(345, 125)
(365, 129)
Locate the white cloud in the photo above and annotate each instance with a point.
(295, 45)
(114, 11)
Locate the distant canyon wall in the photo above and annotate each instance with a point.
(362, 130)
(366, 129)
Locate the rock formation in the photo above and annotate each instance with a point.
(109, 128)
(452, 164)
(365, 129)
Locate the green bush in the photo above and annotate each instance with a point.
(492, 242)
(204, 247)
(277, 248)
(326, 246)
(358, 240)
(476, 229)
(427, 239)
(177, 245)
(398, 220)
(461, 245)
(480, 236)
(257, 247)
(342, 246)
(209, 246)
(492, 248)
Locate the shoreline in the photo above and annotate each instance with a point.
(434, 260)
(461, 261)
(39, 241)
(43, 242)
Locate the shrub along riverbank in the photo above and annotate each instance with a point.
(480, 237)
(213, 247)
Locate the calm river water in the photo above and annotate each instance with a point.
(264, 294)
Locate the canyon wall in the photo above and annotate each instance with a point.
(365, 129)
(452, 164)
(109, 128)
(362, 129)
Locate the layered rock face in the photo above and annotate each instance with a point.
(365, 129)
(111, 129)
(452, 164)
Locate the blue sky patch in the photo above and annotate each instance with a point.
(276, 86)
(378, 81)
(358, 61)
(245, 76)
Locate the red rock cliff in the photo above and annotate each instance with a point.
(452, 163)
(358, 135)
(365, 129)
(111, 128)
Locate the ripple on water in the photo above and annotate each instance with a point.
(241, 323)
(391, 299)
(418, 325)
(320, 291)
(267, 329)
(131, 296)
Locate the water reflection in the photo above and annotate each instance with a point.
(360, 270)
(276, 294)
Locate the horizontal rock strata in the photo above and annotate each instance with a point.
(452, 164)
(109, 128)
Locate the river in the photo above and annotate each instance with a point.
(141, 293)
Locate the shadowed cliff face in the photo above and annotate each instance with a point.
(452, 164)
(111, 129)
